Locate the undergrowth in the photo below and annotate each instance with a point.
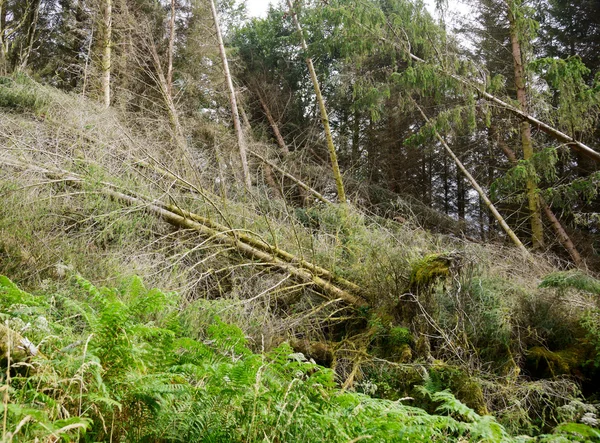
(98, 364)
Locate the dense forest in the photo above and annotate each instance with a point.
(362, 220)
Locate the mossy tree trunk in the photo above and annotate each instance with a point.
(323, 110)
(106, 52)
(537, 227)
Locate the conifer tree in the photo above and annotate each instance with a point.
(520, 32)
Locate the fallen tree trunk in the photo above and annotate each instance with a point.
(300, 183)
(272, 122)
(322, 280)
(325, 287)
(478, 188)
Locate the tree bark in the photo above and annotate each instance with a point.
(324, 117)
(537, 227)
(106, 52)
(233, 101)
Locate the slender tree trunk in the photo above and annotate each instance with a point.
(537, 227)
(170, 52)
(31, 30)
(272, 123)
(106, 52)
(460, 192)
(179, 135)
(478, 188)
(324, 117)
(355, 138)
(234, 109)
(3, 46)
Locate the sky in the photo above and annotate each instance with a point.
(257, 8)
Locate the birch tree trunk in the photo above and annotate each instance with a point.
(106, 52)
(537, 227)
(170, 52)
(324, 117)
(237, 125)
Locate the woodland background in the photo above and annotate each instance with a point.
(365, 221)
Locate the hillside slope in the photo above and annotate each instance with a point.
(394, 310)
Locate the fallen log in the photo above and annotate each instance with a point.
(322, 280)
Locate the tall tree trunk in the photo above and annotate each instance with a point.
(31, 30)
(272, 122)
(537, 227)
(234, 109)
(355, 138)
(476, 186)
(106, 52)
(446, 187)
(324, 117)
(460, 192)
(170, 52)
(3, 44)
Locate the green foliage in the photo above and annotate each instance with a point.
(400, 336)
(579, 190)
(576, 102)
(127, 371)
(21, 93)
(565, 280)
(542, 166)
(591, 324)
(573, 432)
(490, 326)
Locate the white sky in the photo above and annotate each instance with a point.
(257, 8)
